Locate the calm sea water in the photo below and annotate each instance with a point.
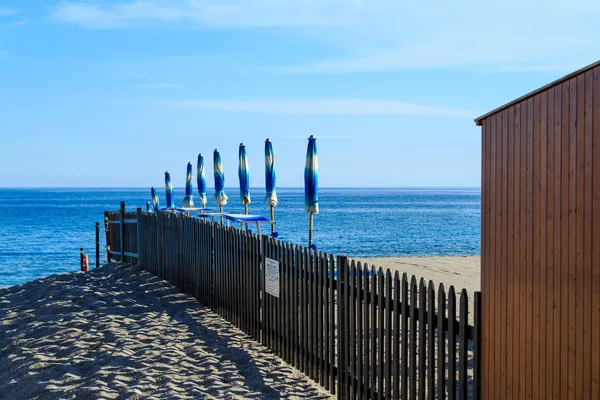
(41, 230)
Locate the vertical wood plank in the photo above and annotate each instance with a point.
(413, 338)
(535, 282)
(373, 332)
(452, 344)
(595, 256)
(398, 314)
(580, 287)
(441, 342)
(564, 231)
(388, 334)
(380, 333)
(334, 335)
(463, 346)
(477, 347)
(351, 309)
(360, 329)
(430, 340)
(493, 264)
(588, 339)
(422, 339)
(502, 278)
(557, 150)
(368, 329)
(405, 341)
(543, 248)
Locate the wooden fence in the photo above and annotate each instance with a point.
(359, 332)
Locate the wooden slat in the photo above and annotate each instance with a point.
(502, 132)
(373, 350)
(523, 262)
(351, 309)
(463, 346)
(572, 235)
(422, 340)
(388, 334)
(380, 333)
(557, 150)
(430, 339)
(405, 341)
(413, 338)
(452, 392)
(534, 282)
(492, 267)
(564, 242)
(580, 288)
(595, 234)
(511, 238)
(528, 282)
(541, 385)
(441, 342)
(396, 369)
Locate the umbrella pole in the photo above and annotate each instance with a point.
(272, 219)
(221, 211)
(310, 229)
(246, 208)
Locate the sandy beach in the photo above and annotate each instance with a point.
(460, 271)
(117, 332)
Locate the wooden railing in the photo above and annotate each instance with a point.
(359, 332)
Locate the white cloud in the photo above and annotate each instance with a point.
(159, 85)
(382, 35)
(341, 106)
(8, 11)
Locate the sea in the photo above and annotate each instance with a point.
(42, 230)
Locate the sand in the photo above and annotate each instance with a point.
(460, 271)
(117, 332)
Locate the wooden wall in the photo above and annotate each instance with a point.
(540, 278)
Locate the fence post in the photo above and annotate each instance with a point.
(81, 258)
(342, 262)
(477, 347)
(107, 237)
(139, 236)
(122, 231)
(97, 244)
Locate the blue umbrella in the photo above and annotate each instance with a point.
(201, 180)
(188, 200)
(244, 175)
(270, 180)
(311, 185)
(220, 197)
(155, 202)
(169, 190)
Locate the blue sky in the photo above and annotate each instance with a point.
(97, 93)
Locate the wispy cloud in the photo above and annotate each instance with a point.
(159, 85)
(340, 106)
(8, 11)
(383, 35)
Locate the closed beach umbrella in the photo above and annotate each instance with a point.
(201, 180)
(155, 202)
(270, 181)
(220, 197)
(311, 185)
(244, 175)
(188, 200)
(169, 190)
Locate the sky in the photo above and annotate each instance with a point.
(114, 93)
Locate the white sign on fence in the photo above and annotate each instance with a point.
(272, 277)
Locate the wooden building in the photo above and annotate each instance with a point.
(540, 274)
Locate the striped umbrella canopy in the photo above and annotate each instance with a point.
(201, 180)
(220, 197)
(311, 185)
(155, 202)
(244, 175)
(169, 190)
(188, 200)
(270, 182)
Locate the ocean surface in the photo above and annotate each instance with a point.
(41, 230)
